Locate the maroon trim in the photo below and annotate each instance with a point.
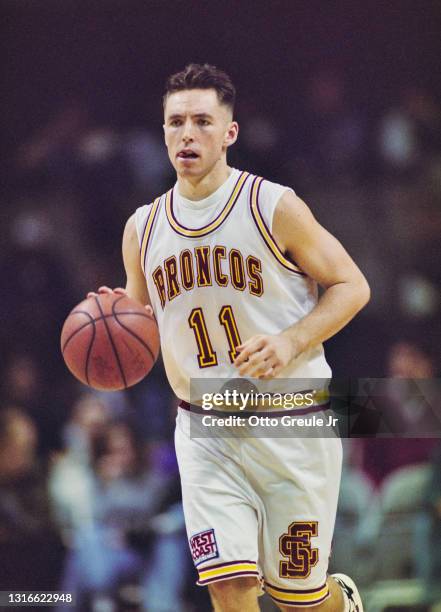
(145, 227)
(267, 229)
(295, 591)
(294, 604)
(198, 229)
(151, 233)
(296, 411)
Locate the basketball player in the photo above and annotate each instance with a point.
(230, 264)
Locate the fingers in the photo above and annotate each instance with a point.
(267, 375)
(104, 289)
(256, 363)
(270, 373)
(119, 291)
(262, 368)
(248, 348)
(257, 359)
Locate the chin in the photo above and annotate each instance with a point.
(189, 171)
(186, 172)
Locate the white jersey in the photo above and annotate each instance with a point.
(216, 277)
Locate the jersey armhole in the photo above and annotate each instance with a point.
(263, 226)
(144, 230)
(141, 218)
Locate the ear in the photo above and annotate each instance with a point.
(165, 133)
(231, 134)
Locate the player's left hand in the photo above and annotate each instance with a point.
(103, 290)
(264, 356)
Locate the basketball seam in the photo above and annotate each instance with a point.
(123, 312)
(111, 339)
(95, 320)
(144, 344)
(74, 333)
(89, 351)
(92, 320)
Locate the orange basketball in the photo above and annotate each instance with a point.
(110, 342)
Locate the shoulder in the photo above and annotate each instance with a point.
(130, 226)
(293, 222)
(268, 197)
(291, 206)
(135, 224)
(138, 220)
(271, 187)
(131, 234)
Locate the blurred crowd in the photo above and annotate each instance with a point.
(89, 489)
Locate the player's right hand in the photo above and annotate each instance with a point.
(105, 289)
(119, 291)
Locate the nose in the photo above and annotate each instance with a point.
(187, 135)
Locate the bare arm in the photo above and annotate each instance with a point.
(136, 286)
(323, 258)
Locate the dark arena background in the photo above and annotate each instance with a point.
(341, 101)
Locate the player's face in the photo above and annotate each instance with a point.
(198, 130)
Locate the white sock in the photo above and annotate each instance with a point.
(345, 600)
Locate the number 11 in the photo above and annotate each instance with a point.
(207, 355)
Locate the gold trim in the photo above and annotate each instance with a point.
(228, 569)
(297, 597)
(147, 231)
(272, 245)
(193, 233)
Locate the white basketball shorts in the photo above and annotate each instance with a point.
(262, 507)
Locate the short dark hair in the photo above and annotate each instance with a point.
(202, 76)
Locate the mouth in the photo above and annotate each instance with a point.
(187, 154)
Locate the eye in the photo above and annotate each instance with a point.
(175, 122)
(203, 122)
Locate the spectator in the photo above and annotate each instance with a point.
(428, 536)
(147, 158)
(334, 139)
(118, 493)
(47, 158)
(30, 551)
(24, 383)
(406, 414)
(409, 135)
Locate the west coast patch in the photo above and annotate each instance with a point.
(203, 546)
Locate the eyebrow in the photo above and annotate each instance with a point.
(197, 115)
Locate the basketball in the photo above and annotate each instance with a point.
(110, 342)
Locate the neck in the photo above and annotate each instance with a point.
(198, 188)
